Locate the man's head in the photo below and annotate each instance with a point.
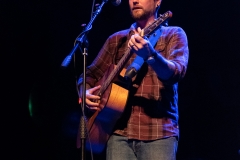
(144, 9)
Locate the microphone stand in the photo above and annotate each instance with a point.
(82, 40)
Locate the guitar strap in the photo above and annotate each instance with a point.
(135, 66)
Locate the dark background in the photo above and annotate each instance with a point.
(37, 35)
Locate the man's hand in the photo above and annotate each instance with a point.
(90, 98)
(141, 46)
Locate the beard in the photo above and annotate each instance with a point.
(140, 14)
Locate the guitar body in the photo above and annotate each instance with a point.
(100, 125)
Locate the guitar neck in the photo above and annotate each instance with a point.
(145, 32)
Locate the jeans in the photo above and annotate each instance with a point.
(120, 148)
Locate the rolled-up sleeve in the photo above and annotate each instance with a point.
(176, 51)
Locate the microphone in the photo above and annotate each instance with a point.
(116, 2)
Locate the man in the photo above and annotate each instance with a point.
(148, 127)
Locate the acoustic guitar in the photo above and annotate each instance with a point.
(114, 94)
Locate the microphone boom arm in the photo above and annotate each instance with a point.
(81, 39)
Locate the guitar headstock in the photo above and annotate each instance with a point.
(161, 20)
(167, 14)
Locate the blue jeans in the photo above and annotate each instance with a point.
(120, 148)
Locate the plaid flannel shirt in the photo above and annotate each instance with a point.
(152, 107)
